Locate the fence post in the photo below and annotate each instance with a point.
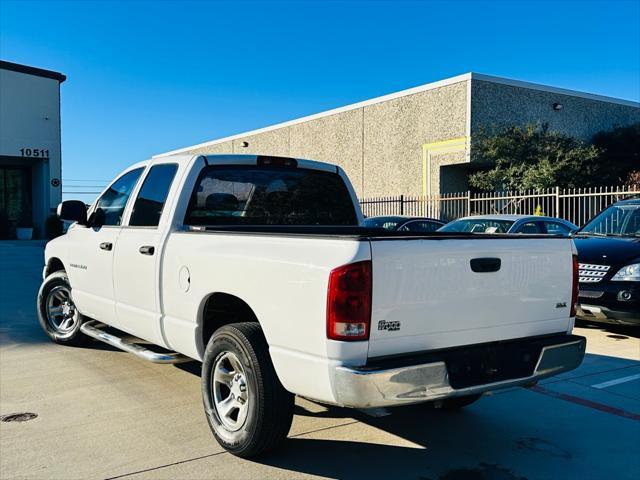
(401, 204)
(557, 214)
(468, 202)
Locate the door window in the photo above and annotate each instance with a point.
(555, 228)
(423, 226)
(110, 206)
(153, 195)
(530, 227)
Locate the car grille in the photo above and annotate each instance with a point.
(590, 273)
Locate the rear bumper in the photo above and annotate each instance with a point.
(380, 387)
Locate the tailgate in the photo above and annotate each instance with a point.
(426, 294)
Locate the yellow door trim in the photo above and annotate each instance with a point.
(443, 146)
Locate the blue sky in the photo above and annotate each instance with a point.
(146, 77)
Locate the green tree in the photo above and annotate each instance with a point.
(533, 157)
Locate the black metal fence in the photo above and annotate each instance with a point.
(576, 205)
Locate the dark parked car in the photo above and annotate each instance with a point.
(609, 265)
(500, 223)
(404, 224)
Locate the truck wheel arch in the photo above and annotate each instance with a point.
(54, 265)
(219, 309)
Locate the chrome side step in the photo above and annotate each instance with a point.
(91, 328)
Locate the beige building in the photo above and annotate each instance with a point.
(417, 141)
(30, 152)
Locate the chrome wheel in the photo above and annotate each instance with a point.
(61, 311)
(230, 391)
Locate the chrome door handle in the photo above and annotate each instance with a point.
(147, 250)
(106, 246)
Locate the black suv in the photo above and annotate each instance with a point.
(609, 271)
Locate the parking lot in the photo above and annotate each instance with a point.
(102, 413)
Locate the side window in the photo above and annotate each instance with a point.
(554, 228)
(529, 227)
(420, 226)
(110, 205)
(153, 195)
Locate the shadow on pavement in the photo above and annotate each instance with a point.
(436, 441)
(613, 330)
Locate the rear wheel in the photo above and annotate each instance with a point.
(57, 313)
(247, 408)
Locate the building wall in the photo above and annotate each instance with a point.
(30, 119)
(379, 146)
(495, 105)
(336, 139)
(395, 132)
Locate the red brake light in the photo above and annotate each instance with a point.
(349, 302)
(574, 291)
(270, 161)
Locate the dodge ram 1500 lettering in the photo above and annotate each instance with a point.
(260, 268)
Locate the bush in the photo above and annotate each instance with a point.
(533, 157)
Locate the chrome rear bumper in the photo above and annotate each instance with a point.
(364, 388)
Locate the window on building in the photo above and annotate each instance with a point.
(110, 206)
(247, 195)
(153, 195)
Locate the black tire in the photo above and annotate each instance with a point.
(53, 288)
(269, 411)
(456, 403)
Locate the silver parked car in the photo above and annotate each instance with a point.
(511, 224)
(404, 224)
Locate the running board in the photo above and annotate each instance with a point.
(91, 328)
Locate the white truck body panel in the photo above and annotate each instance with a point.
(427, 286)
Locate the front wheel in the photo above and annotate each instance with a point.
(57, 313)
(248, 409)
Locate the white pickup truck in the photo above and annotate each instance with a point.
(259, 267)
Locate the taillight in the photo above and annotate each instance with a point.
(349, 302)
(574, 291)
(270, 161)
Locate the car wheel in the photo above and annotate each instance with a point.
(248, 409)
(57, 313)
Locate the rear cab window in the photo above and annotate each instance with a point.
(259, 195)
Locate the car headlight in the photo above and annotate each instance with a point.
(630, 273)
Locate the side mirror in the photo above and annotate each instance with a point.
(73, 211)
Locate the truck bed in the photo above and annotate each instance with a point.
(354, 232)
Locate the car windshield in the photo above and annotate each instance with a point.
(478, 225)
(388, 223)
(617, 220)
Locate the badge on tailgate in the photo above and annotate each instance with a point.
(389, 326)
